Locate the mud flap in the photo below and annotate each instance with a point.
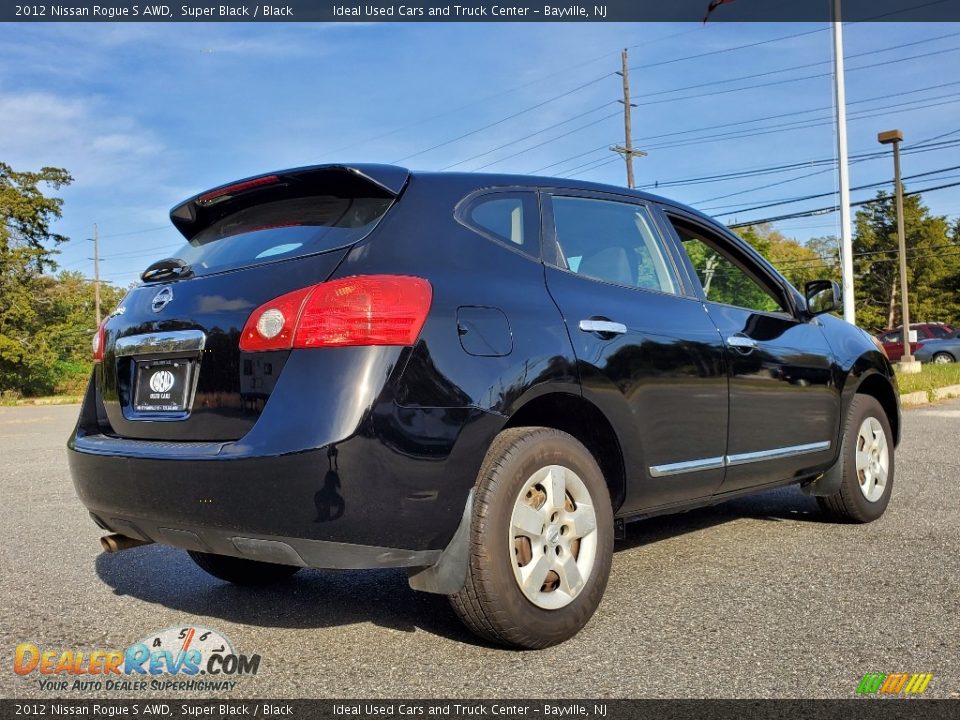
(828, 483)
(449, 573)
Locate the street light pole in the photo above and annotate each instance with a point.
(907, 363)
(846, 232)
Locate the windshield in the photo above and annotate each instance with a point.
(281, 230)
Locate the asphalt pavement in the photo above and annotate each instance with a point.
(759, 597)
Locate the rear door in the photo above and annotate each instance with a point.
(784, 402)
(647, 353)
(172, 366)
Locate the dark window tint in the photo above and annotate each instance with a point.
(726, 277)
(938, 331)
(282, 229)
(612, 241)
(511, 218)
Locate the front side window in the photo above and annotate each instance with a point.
(724, 279)
(612, 241)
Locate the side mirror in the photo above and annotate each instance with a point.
(823, 296)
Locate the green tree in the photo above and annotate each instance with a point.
(933, 264)
(27, 359)
(797, 262)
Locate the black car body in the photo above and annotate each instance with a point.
(343, 454)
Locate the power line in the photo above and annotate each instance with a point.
(802, 112)
(136, 232)
(755, 86)
(772, 169)
(545, 142)
(805, 124)
(800, 124)
(603, 77)
(802, 66)
(745, 133)
(855, 55)
(816, 196)
(504, 119)
(527, 137)
(595, 165)
(487, 98)
(830, 209)
(711, 53)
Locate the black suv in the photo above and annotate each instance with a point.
(479, 378)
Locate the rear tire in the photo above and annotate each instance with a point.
(943, 358)
(867, 454)
(241, 571)
(541, 540)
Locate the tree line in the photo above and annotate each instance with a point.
(47, 316)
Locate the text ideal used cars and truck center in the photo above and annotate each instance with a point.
(479, 378)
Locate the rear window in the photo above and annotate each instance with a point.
(280, 230)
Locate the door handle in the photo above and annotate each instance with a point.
(742, 343)
(604, 327)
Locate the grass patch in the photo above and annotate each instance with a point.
(12, 400)
(931, 377)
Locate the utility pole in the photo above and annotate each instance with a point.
(96, 270)
(907, 363)
(627, 148)
(846, 232)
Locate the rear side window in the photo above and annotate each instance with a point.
(512, 218)
(282, 229)
(612, 241)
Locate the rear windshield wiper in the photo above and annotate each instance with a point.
(166, 269)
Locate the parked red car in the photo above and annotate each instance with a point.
(892, 340)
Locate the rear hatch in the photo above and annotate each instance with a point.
(172, 367)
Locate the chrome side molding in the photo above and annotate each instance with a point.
(715, 463)
(161, 343)
(688, 466)
(778, 453)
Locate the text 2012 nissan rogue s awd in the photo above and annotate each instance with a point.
(479, 378)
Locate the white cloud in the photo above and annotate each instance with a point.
(98, 145)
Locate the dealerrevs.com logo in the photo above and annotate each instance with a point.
(174, 659)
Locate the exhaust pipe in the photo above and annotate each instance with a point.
(116, 542)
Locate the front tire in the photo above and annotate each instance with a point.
(241, 571)
(541, 540)
(867, 454)
(943, 358)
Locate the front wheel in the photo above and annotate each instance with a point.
(541, 540)
(867, 454)
(942, 358)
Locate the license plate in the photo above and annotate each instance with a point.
(162, 386)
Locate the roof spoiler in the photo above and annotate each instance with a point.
(202, 210)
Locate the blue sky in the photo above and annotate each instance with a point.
(145, 115)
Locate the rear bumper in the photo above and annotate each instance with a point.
(391, 495)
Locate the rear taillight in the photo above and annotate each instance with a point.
(98, 338)
(360, 310)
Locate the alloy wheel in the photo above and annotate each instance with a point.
(873, 459)
(553, 537)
